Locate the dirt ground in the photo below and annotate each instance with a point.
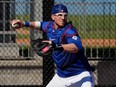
(85, 42)
(99, 42)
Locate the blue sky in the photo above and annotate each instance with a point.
(87, 0)
(97, 9)
(76, 8)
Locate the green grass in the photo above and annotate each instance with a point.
(95, 26)
(21, 36)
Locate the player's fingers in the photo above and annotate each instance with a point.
(17, 23)
(48, 41)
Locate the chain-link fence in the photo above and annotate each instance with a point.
(95, 21)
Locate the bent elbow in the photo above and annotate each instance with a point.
(75, 50)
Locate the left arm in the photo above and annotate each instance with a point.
(72, 48)
(73, 45)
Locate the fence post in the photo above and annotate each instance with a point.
(5, 15)
(48, 65)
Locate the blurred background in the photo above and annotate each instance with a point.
(95, 20)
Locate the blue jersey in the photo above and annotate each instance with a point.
(67, 64)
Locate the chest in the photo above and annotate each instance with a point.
(55, 35)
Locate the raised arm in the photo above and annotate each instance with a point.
(20, 24)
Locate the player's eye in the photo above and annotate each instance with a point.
(60, 15)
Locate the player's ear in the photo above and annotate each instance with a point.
(52, 16)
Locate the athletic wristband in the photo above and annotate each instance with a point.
(57, 47)
(27, 24)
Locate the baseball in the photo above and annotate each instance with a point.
(15, 25)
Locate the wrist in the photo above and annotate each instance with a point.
(57, 47)
(27, 24)
(60, 48)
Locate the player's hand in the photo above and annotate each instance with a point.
(54, 46)
(41, 48)
(17, 24)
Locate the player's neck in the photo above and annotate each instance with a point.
(57, 26)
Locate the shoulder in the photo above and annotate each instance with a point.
(46, 25)
(71, 31)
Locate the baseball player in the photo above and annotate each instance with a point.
(72, 66)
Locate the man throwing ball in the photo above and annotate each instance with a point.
(72, 66)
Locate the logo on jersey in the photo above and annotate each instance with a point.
(74, 37)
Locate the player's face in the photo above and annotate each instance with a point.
(59, 19)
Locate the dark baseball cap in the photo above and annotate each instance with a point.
(59, 8)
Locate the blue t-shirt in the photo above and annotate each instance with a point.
(67, 64)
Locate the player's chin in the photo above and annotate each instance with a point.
(62, 24)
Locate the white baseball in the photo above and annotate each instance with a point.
(15, 25)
